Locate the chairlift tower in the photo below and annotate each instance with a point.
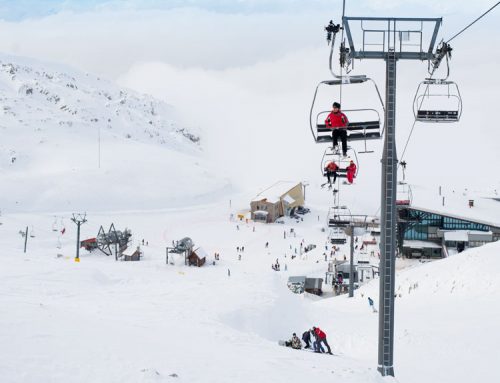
(389, 39)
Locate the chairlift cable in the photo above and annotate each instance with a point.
(415, 120)
(480, 17)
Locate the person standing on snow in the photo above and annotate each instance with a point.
(321, 338)
(370, 302)
(337, 121)
(351, 172)
(331, 170)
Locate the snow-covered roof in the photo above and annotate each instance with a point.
(486, 209)
(276, 191)
(201, 253)
(298, 279)
(463, 235)
(459, 235)
(414, 244)
(262, 212)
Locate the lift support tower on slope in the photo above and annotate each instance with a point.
(389, 39)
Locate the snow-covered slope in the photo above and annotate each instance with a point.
(75, 141)
(102, 320)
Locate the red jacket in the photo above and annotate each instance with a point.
(351, 172)
(351, 168)
(319, 333)
(336, 120)
(331, 167)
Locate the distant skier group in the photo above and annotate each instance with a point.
(314, 339)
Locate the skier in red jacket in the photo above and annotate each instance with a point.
(331, 170)
(321, 338)
(351, 172)
(337, 121)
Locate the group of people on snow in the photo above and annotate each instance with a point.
(314, 339)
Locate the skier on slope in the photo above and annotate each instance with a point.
(371, 303)
(351, 172)
(337, 121)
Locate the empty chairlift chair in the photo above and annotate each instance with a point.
(404, 195)
(437, 101)
(339, 216)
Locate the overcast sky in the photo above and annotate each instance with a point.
(244, 71)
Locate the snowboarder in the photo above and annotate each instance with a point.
(337, 121)
(321, 338)
(331, 170)
(351, 172)
(267, 245)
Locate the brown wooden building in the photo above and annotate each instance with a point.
(276, 201)
(197, 257)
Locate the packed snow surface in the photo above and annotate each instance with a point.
(74, 143)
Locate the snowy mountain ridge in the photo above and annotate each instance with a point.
(66, 134)
(37, 97)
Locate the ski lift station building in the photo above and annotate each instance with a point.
(430, 233)
(276, 201)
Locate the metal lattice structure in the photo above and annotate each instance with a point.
(389, 39)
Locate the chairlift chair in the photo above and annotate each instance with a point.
(341, 161)
(337, 236)
(364, 124)
(437, 100)
(403, 194)
(339, 216)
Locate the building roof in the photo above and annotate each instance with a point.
(414, 244)
(486, 209)
(297, 279)
(263, 212)
(200, 253)
(461, 235)
(277, 191)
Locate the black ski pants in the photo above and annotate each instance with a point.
(342, 133)
(330, 173)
